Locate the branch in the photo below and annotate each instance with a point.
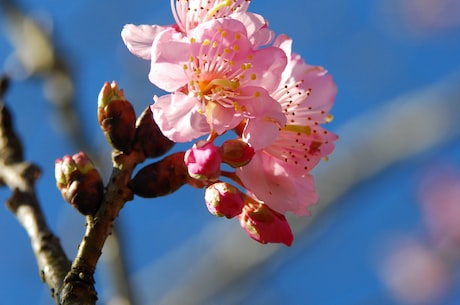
(79, 283)
(20, 177)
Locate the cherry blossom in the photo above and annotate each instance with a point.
(188, 15)
(306, 94)
(217, 81)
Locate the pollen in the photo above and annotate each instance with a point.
(206, 42)
(257, 94)
(237, 36)
(329, 118)
(246, 66)
(253, 76)
(236, 47)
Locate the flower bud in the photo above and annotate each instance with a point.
(160, 178)
(116, 117)
(265, 225)
(236, 152)
(203, 161)
(150, 137)
(79, 182)
(223, 199)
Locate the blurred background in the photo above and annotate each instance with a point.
(387, 229)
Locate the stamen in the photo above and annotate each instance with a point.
(297, 128)
(219, 6)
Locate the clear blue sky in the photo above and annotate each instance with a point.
(376, 51)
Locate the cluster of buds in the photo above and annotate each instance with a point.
(203, 162)
(204, 159)
(79, 182)
(260, 222)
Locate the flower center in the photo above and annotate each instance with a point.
(218, 85)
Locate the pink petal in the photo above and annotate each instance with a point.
(257, 28)
(267, 66)
(177, 116)
(138, 39)
(268, 179)
(264, 117)
(170, 51)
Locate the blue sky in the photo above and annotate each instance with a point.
(377, 51)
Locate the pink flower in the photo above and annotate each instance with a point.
(218, 81)
(264, 224)
(203, 161)
(188, 15)
(306, 94)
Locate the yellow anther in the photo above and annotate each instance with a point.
(253, 76)
(329, 118)
(206, 42)
(214, 44)
(236, 47)
(297, 128)
(237, 36)
(218, 6)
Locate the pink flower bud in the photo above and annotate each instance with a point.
(236, 152)
(203, 161)
(223, 199)
(265, 225)
(79, 182)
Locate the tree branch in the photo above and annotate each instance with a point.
(20, 177)
(79, 283)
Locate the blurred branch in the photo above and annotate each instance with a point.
(20, 177)
(394, 132)
(36, 53)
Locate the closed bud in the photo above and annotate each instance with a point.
(236, 152)
(79, 182)
(149, 136)
(116, 117)
(160, 178)
(203, 161)
(265, 225)
(223, 199)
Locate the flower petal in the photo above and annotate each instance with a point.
(268, 179)
(177, 117)
(138, 39)
(170, 51)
